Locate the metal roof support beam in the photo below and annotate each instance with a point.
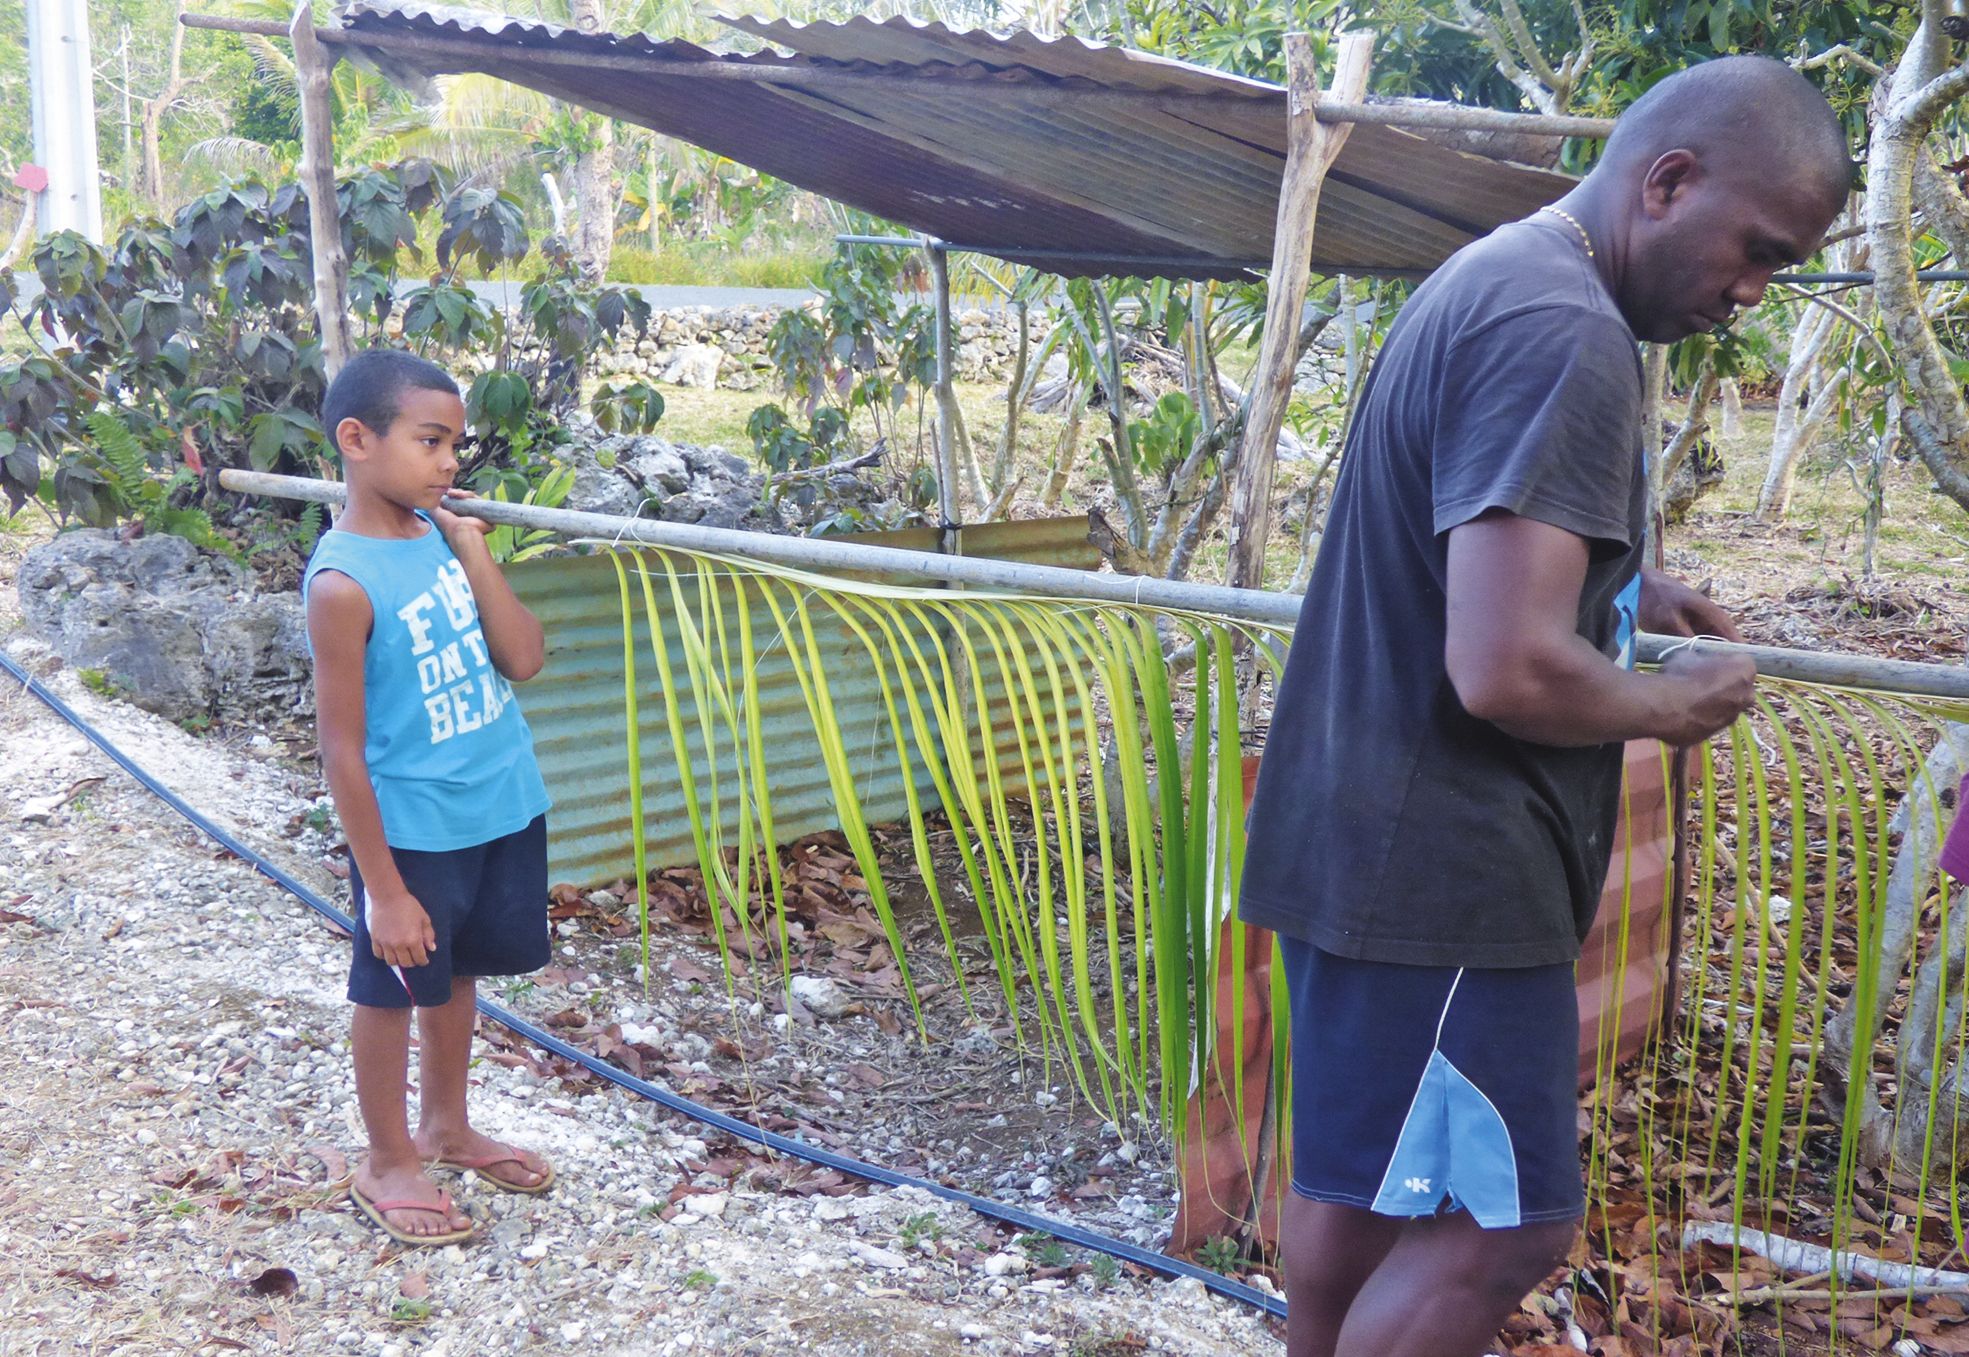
(1311, 149)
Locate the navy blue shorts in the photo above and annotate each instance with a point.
(1420, 1089)
(488, 906)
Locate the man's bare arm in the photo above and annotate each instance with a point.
(1516, 659)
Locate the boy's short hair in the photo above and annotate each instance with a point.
(370, 388)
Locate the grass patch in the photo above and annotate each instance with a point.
(1922, 534)
(408, 1311)
(100, 682)
(710, 263)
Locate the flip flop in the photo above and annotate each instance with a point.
(484, 1162)
(377, 1213)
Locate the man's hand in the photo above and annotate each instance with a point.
(400, 932)
(1670, 608)
(1715, 689)
(461, 530)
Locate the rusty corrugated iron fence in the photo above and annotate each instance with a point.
(577, 713)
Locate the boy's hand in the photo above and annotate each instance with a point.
(460, 530)
(400, 932)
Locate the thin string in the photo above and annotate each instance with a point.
(635, 515)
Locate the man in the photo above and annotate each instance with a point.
(1433, 819)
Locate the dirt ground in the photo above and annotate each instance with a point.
(178, 1117)
(178, 1120)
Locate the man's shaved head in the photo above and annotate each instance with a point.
(1714, 180)
(1737, 110)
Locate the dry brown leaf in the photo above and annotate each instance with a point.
(275, 1281)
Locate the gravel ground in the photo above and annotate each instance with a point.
(177, 1119)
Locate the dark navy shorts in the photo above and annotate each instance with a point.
(1421, 1089)
(488, 906)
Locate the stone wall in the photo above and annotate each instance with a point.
(725, 347)
(180, 631)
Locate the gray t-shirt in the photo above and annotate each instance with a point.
(1389, 824)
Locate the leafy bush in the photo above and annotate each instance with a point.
(862, 352)
(192, 346)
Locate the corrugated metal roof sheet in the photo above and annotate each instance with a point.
(958, 142)
(575, 708)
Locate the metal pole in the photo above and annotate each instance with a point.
(62, 98)
(947, 506)
(823, 554)
(896, 242)
(1923, 275)
(1257, 606)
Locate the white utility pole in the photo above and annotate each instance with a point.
(63, 89)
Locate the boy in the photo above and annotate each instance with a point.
(415, 635)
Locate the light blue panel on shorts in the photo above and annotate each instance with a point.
(1455, 1145)
(1483, 1172)
(1417, 1179)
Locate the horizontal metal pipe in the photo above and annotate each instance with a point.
(1827, 669)
(1155, 261)
(1923, 276)
(817, 553)
(1247, 605)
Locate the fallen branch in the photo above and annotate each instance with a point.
(1765, 1295)
(1791, 1255)
(847, 464)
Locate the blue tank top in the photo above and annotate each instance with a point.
(449, 754)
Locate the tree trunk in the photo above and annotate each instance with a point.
(1936, 418)
(1654, 394)
(1312, 148)
(1681, 476)
(1852, 1033)
(312, 65)
(1695, 423)
(594, 177)
(1731, 396)
(655, 212)
(1061, 472)
(1876, 483)
(152, 189)
(1805, 398)
(1016, 390)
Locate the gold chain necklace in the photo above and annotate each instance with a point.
(1573, 222)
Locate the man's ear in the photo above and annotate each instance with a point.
(1666, 178)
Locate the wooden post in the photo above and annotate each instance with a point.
(312, 65)
(1311, 148)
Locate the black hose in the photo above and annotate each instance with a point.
(730, 1125)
